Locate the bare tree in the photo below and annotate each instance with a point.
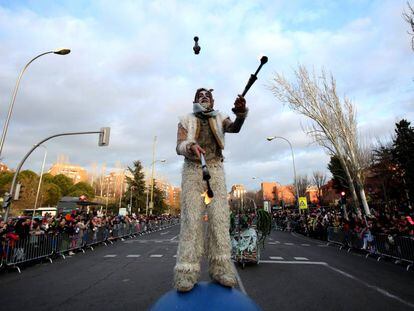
(334, 124)
(302, 182)
(319, 179)
(409, 18)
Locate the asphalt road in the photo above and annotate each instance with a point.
(295, 273)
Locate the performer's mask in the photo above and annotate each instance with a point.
(205, 98)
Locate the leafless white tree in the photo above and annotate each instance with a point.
(409, 18)
(334, 125)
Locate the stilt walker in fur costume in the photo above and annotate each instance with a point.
(202, 132)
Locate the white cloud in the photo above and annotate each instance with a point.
(132, 68)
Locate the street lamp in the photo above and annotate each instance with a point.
(103, 141)
(130, 198)
(293, 160)
(6, 124)
(39, 185)
(151, 203)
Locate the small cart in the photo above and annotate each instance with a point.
(245, 246)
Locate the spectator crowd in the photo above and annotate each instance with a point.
(78, 226)
(315, 224)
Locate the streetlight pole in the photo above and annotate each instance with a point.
(6, 124)
(107, 194)
(293, 160)
(103, 141)
(38, 187)
(130, 198)
(150, 204)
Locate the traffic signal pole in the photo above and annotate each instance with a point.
(103, 141)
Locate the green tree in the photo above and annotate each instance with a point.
(385, 183)
(136, 185)
(5, 181)
(81, 188)
(159, 201)
(340, 180)
(50, 195)
(403, 151)
(64, 183)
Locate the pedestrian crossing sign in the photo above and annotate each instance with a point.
(303, 204)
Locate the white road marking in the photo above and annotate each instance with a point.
(133, 256)
(162, 233)
(110, 256)
(277, 242)
(322, 245)
(173, 238)
(320, 263)
(272, 243)
(158, 241)
(288, 243)
(305, 244)
(378, 289)
(300, 258)
(156, 256)
(239, 281)
(275, 258)
(175, 256)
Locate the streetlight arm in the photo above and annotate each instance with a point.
(13, 185)
(6, 123)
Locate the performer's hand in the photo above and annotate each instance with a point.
(239, 105)
(197, 150)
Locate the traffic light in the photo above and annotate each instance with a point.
(343, 198)
(104, 136)
(7, 201)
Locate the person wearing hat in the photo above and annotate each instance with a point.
(202, 132)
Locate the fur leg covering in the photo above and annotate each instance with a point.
(191, 245)
(218, 237)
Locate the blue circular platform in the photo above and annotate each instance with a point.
(206, 296)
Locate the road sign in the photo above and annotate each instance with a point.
(303, 204)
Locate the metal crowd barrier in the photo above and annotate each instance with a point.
(400, 248)
(46, 246)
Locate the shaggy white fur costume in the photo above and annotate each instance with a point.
(191, 247)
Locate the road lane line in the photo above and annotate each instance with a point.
(162, 233)
(318, 263)
(239, 281)
(288, 243)
(175, 256)
(378, 289)
(300, 258)
(156, 256)
(172, 239)
(305, 244)
(133, 256)
(110, 256)
(275, 258)
(272, 243)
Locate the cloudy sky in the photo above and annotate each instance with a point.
(132, 68)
